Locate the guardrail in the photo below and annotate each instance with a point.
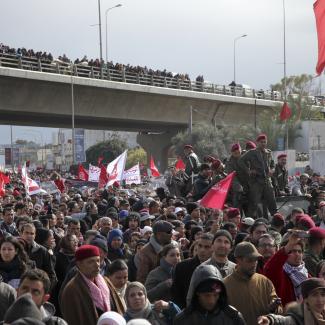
(121, 75)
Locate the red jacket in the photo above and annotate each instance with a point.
(273, 269)
(60, 185)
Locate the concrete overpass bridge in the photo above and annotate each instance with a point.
(35, 93)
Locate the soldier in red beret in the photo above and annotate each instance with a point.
(280, 176)
(259, 167)
(240, 183)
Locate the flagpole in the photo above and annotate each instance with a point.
(285, 71)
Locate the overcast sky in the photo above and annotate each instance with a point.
(186, 36)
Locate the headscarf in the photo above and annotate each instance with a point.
(111, 318)
(146, 310)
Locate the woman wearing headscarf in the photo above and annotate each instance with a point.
(138, 306)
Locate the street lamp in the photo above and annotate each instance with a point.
(235, 40)
(106, 12)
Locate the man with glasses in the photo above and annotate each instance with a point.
(148, 257)
(267, 248)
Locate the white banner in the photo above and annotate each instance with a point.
(94, 173)
(115, 169)
(132, 175)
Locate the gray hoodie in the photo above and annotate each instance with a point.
(201, 273)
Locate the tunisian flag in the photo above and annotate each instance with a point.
(216, 197)
(103, 177)
(2, 185)
(285, 113)
(115, 169)
(180, 164)
(153, 168)
(5, 178)
(319, 9)
(82, 173)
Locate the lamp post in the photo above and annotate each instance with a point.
(100, 40)
(106, 14)
(235, 41)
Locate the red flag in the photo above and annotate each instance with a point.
(103, 177)
(2, 185)
(216, 197)
(153, 168)
(319, 9)
(285, 113)
(5, 178)
(180, 164)
(82, 173)
(99, 160)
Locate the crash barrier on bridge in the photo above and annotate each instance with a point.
(114, 74)
(121, 75)
(285, 204)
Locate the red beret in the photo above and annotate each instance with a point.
(233, 212)
(321, 204)
(188, 146)
(282, 155)
(317, 232)
(278, 217)
(216, 164)
(250, 145)
(306, 222)
(235, 146)
(261, 137)
(86, 251)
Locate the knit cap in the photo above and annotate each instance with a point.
(24, 306)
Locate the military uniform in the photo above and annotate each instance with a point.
(192, 165)
(280, 180)
(239, 183)
(257, 165)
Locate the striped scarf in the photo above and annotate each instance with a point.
(297, 275)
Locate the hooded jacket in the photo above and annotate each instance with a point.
(193, 314)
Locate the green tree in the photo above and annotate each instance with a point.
(108, 149)
(136, 155)
(206, 140)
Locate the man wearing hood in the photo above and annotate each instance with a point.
(206, 301)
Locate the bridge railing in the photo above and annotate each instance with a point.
(121, 75)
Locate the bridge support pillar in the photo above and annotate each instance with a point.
(157, 146)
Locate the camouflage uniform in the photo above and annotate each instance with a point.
(280, 180)
(257, 164)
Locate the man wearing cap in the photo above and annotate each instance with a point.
(314, 253)
(310, 312)
(221, 245)
(192, 165)
(251, 293)
(207, 301)
(286, 268)
(86, 297)
(148, 257)
(280, 176)
(259, 166)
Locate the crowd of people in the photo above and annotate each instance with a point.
(118, 255)
(48, 58)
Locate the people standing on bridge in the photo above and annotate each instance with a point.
(192, 167)
(259, 166)
(280, 177)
